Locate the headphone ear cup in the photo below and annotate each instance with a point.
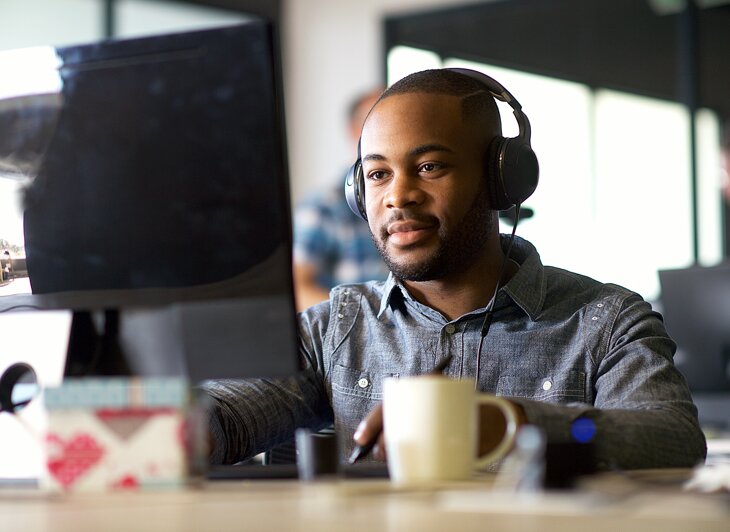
(519, 170)
(512, 172)
(498, 199)
(355, 190)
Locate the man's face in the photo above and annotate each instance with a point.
(424, 186)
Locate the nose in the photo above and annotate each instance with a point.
(404, 190)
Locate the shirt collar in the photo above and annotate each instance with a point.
(526, 288)
(391, 284)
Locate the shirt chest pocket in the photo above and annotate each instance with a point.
(349, 382)
(354, 393)
(564, 387)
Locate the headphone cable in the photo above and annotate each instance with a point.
(487, 323)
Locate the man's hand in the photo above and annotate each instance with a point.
(370, 432)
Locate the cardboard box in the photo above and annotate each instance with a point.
(116, 433)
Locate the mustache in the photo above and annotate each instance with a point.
(406, 215)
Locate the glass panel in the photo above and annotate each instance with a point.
(56, 22)
(709, 176)
(404, 60)
(135, 18)
(644, 207)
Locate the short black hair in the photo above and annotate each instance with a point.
(477, 101)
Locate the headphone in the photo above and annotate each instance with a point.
(511, 167)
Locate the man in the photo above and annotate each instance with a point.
(331, 245)
(561, 346)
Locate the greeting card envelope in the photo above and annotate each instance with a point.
(111, 433)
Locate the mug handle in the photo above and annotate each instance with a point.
(509, 411)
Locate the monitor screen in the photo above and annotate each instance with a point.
(156, 203)
(696, 308)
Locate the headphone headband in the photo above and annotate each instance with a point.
(496, 89)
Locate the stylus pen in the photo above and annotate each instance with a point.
(361, 451)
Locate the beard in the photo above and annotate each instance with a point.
(458, 247)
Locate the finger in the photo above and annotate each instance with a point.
(379, 451)
(370, 427)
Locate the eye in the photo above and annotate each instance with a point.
(376, 175)
(430, 168)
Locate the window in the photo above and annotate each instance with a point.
(614, 199)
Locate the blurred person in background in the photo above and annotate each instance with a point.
(331, 244)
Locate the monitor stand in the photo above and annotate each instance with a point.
(93, 346)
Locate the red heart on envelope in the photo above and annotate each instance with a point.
(70, 459)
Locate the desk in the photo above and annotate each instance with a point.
(604, 503)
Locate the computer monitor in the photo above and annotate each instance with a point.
(159, 207)
(696, 307)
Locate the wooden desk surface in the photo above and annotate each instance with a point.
(605, 503)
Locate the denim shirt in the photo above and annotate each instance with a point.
(561, 345)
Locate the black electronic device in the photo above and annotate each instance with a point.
(696, 308)
(160, 212)
(512, 170)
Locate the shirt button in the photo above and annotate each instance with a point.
(450, 328)
(363, 383)
(547, 385)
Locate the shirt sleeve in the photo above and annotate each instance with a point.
(253, 415)
(250, 416)
(643, 412)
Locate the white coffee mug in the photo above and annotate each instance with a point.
(431, 424)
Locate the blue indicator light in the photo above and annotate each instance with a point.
(583, 430)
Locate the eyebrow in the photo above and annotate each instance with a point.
(418, 150)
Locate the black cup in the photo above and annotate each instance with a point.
(317, 455)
